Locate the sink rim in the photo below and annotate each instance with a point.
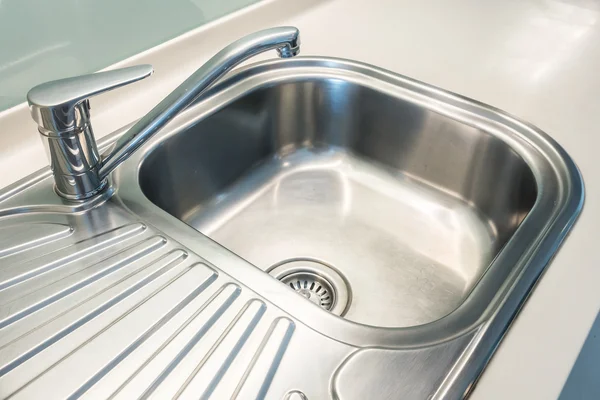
(555, 173)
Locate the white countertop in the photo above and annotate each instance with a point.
(537, 59)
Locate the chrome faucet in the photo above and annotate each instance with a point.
(62, 111)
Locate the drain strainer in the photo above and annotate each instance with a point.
(313, 287)
(316, 281)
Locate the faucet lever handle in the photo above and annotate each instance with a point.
(61, 105)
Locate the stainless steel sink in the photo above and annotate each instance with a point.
(313, 228)
(408, 204)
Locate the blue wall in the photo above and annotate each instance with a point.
(41, 40)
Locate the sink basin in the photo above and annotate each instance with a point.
(381, 213)
(409, 206)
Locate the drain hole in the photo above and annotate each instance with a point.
(317, 282)
(305, 283)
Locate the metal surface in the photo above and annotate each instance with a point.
(61, 109)
(313, 287)
(410, 205)
(410, 192)
(316, 281)
(125, 312)
(286, 40)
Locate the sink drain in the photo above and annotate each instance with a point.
(317, 282)
(313, 287)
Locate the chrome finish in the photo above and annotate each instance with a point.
(440, 212)
(285, 39)
(62, 105)
(313, 287)
(61, 109)
(318, 282)
(409, 204)
(295, 395)
(128, 291)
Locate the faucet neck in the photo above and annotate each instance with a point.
(285, 40)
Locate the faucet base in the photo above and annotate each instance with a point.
(79, 196)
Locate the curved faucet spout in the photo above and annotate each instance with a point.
(285, 39)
